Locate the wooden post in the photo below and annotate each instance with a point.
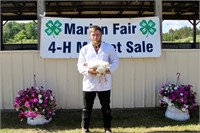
(1, 35)
(158, 12)
(40, 10)
(194, 34)
(1, 29)
(1, 99)
(198, 74)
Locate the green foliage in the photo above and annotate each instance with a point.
(14, 32)
(183, 34)
(166, 37)
(20, 36)
(31, 30)
(188, 39)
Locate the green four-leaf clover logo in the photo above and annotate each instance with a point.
(147, 27)
(53, 28)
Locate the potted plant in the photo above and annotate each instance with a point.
(179, 99)
(35, 103)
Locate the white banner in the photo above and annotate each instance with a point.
(134, 37)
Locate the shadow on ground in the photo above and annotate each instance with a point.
(122, 118)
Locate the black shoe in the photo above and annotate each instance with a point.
(108, 130)
(85, 130)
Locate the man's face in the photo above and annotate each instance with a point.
(95, 37)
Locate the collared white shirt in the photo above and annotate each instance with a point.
(87, 55)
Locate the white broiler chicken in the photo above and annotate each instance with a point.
(101, 67)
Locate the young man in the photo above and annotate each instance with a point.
(92, 85)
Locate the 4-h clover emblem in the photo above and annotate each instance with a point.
(53, 28)
(147, 27)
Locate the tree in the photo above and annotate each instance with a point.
(31, 30)
(11, 29)
(20, 36)
(182, 33)
(14, 32)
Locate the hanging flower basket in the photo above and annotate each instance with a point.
(38, 120)
(35, 103)
(176, 114)
(178, 99)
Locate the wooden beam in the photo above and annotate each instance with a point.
(164, 17)
(180, 17)
(15, 17)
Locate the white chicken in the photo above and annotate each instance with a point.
(101, 67)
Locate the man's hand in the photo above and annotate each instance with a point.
(92, 71)
(108, 71)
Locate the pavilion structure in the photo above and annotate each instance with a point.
(164, 9)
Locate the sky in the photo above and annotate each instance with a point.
(174, 24)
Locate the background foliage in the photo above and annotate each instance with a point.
(184, 34)
(14, 32)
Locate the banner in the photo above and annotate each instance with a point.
(131, 37)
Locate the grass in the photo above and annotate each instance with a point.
(24, 41)
(188, 39)
(124, 121)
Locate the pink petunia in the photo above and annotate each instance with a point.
(27, 104)
(33, 95)
(25, 114)
(32, 114)
(35, 100)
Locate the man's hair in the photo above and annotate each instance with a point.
(94, 28)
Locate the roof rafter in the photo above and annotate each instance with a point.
(21, 10)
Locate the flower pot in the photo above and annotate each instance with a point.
(38, 120)
(176, 114)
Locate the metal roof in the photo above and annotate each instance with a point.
(27, 9)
